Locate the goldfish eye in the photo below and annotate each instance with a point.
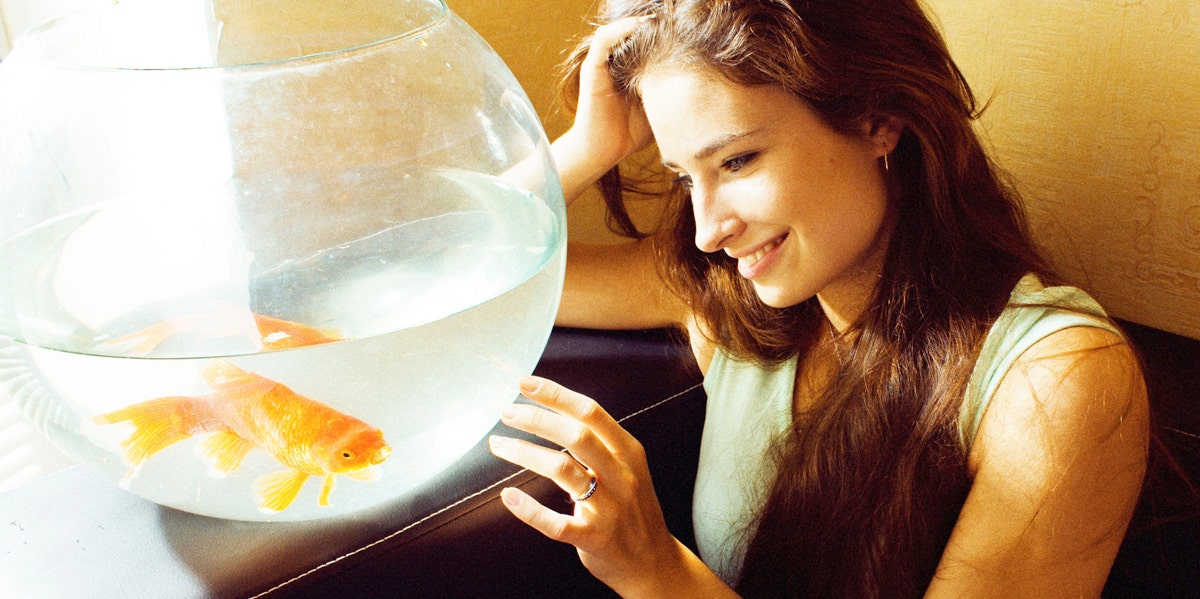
(347, 454)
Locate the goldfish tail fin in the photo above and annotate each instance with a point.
(284, 334)
(127, 480)
(143, 341)
(224, 451)
(278, 490)
(326, 489)
(157, 424)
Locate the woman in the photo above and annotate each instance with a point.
(899, 404)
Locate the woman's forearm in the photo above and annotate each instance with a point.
(578, 165)
(684, 575)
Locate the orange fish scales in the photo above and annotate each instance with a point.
(245, 411)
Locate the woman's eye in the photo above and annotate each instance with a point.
(736, 163)
(684, 181)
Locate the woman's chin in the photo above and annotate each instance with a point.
(774, 297)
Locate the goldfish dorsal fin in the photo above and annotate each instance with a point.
(326, 489)
(278, 490)
(224, 450)
(220, 373)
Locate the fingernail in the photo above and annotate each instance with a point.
(510, 497)
(497, 443)
(508, 412)
(530, 385)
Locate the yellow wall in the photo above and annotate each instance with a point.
(1095, 110)
(533, 37)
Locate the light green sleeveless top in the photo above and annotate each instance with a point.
(749, 406)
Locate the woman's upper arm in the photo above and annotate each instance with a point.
(1058, 465)
(617, 286)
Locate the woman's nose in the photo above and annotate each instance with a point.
(715, 222)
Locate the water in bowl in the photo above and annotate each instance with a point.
(437, 316)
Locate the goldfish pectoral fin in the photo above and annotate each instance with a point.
(364, 474)
(278, 490)
(157, 424)
(326, 489)
(224, 451)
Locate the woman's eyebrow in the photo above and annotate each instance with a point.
(715, 145)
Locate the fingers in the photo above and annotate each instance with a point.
(595, 444)
(571, 420)
(569, 474)
(570, 403)
(554, 525)
(603, 468)
(606, 37)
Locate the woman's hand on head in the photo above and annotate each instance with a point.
(604, 113)
(617, 525)
(608, 127)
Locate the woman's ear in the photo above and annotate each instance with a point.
(885, 134)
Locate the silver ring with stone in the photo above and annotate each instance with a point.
(588, 493)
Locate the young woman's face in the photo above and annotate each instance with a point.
(801, 207)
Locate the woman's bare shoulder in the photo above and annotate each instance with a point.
(1057, 468)
(1079, 381)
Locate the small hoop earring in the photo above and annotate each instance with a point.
(885, 163)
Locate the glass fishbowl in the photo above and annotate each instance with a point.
(270, 260)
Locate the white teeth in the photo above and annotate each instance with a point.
(753, 259)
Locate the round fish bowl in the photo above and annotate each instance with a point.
(269, 260)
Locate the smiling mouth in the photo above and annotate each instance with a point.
(752, 259)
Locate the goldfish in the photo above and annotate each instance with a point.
(271, 333)
(248, 411)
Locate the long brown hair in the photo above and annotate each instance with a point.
(872, 478)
